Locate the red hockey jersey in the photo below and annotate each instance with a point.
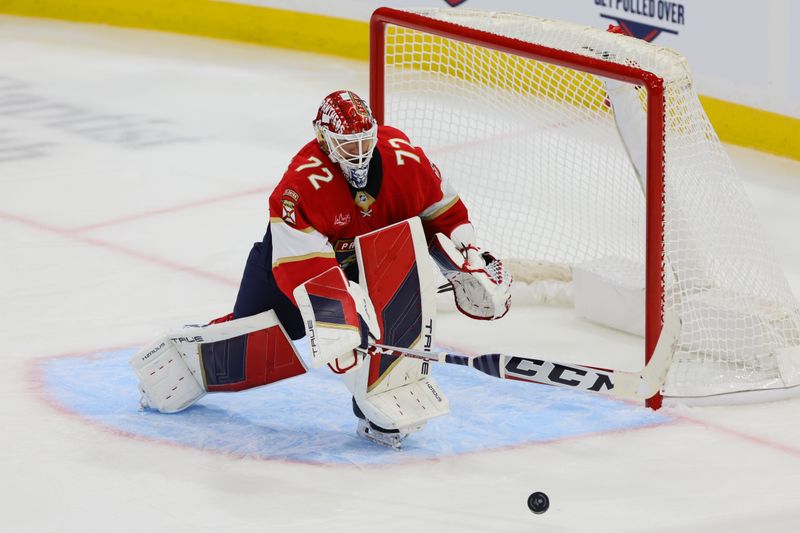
(315, 214)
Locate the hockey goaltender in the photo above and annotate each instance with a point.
(345, 263)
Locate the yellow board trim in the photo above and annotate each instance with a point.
(207, 18)
(754, 128)
(734, 123)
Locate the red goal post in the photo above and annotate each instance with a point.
(654, 85)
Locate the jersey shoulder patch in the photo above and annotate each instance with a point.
(289, 200)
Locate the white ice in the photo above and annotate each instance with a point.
(143, 185)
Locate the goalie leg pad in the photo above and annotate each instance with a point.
(166, 381)
(406, 408)
(250, 360)
(395, 271)
(395, 396)
(177, 369)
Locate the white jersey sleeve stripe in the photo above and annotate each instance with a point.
(279, 220)
(290, 244)
(449, 198)
(437, 209)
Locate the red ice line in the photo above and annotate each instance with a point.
(173, 209)
(753, 439)
(75, 234)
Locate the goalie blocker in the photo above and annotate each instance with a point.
(338, 317)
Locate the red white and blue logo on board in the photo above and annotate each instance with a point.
(654, 16)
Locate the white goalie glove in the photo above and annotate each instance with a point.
(481, 285)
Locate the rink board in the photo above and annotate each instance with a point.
(308, 419)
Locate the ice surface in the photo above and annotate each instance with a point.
(133, 183)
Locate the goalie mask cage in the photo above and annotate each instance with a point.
(514, 111)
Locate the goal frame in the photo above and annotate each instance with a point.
(653, 85)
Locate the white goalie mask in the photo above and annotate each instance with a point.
(347, 133)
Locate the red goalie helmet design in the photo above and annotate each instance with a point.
(347, 133)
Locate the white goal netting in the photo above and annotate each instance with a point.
(534, 151)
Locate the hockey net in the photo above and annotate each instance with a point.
(514, 111)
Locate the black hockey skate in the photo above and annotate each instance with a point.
(393, 438)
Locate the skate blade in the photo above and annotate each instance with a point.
(390, 440)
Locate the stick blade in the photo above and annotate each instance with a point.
(648, 382)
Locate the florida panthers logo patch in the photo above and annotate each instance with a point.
(289, 200)
(288, 213)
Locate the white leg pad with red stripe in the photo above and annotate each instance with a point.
(167, 381)
(228, 355)
(395, 270)
(406, 408)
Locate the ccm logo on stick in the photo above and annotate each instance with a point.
(558, 373)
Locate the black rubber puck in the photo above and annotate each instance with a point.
(538, 502)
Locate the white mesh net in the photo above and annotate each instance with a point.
(534, 151)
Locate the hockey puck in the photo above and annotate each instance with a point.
(538, 502)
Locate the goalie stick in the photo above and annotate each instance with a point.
(627, 385)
